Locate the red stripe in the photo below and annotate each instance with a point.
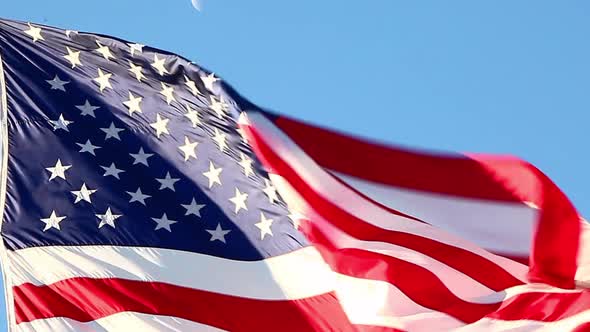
(582, 328)
(418, 283)
(469, 263)
(556, 239)
(87, 299)
(545, 307)
(448, 174)
(426, 289)
(518, 259)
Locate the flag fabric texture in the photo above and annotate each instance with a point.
(139, 192)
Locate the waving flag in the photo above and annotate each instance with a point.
(386, 219)
(139, 192)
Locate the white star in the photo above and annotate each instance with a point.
(209, 80)
(73, 57)
(220, 139)
(246, 164)
(213, 174)
(239, 201)
(188, 149)
(168, 92)
(53, 221)
(192, 115)
(192, 86)
(112, 131)
(270, 191)
(158, 64)
(61, 123)
(160, 125)
(104, 51)
(218, 107)
(87, 109)
(164, 223)
(138, 196)
(83, 194)
(108, 218)
(264, 226)
(218, 233)
(69, 33)
(57, 84)
(167, 182)
(135, 47)
(88, 147)
(296, 218)
(34, 32)
(136, 70)
(133, 103)
(141, 157)
(103, 80)
(193, 208)
(58, 171)
(112, 171)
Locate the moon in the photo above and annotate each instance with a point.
(196, 4)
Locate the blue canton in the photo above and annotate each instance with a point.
(117, 143)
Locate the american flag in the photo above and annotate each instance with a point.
(142, 193)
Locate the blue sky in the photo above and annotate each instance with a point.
(481, 76)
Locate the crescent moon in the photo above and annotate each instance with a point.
(196, 4)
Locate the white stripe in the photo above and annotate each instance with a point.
(502, 227)
(298, 274)
(119, 322)
(563, 325)
(373, 302)
(459, 283)
(378, 303)
(365, 301)
(351, 202)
